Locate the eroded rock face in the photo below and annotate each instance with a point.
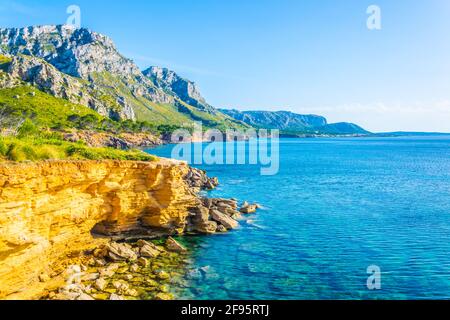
(187, 91)
(47, 78)
(124, 141)
(76, 52)
(78, 65)
(48, 211)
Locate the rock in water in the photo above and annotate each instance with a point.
(224, 220)
(164, 296)
(149, 251)
(208, 227)
(101, 284)
(173, 245)
(248, 208)
(142, 262)
(221, 229)
(85, 297)
(116, 297)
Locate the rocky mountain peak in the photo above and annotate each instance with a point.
(184, 89)
(76, 52)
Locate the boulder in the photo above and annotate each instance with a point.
(201, 214)
(84, 297)
(173, 245)
(100, 284)
(162, 275)
(142, 262)
(99, 262)
(149, 251)
(236, 216)
(164, 296)
(248, 208)
(208, 227)
(134, 267)
(221, 229)
(116, 297)
(90, 277)
(121, 287)
(224, 220)
(109, 271)
(120, 252)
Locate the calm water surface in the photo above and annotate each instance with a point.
(336, 207)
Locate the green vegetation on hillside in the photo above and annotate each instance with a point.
(44, 109)
(47, 111)
(178, 114)
(39, 116)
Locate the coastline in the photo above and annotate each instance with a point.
(61, 219)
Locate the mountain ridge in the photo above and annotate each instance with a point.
(294, 123)
(85, 67)
(86, 64)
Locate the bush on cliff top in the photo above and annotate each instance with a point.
(35, 149)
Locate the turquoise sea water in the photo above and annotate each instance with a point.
(336, 207)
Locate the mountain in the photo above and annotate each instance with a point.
(411, 134)
(85, 67)
(281, 120)
(292, 123)
(342, 128)
(186, 90)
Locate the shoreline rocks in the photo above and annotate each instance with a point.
(249, 208)
(123, 277)
(218, 215)
(197, 179)
(92, 203)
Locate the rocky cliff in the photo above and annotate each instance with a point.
(49, 212)
(76, 52)
(186, 90)
(55, 214)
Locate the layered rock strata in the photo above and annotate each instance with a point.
(54, 214)
(49, 210)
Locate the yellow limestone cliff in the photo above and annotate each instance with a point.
(49, 210)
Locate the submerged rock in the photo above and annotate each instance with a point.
(116, 297)
(162, 275)
(164, 296)
(149, 252)
(85, 297)
(173, 245)
(101, 284)
(248, 208)
(141, 262)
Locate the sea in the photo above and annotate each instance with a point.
(344, 218)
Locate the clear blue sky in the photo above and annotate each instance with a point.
(314, 56)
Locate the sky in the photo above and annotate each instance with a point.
(305, 56)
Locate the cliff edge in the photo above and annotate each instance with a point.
(49, 211)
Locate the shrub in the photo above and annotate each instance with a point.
(3, 148)
(28, 129)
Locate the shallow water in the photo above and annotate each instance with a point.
(336, 207)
